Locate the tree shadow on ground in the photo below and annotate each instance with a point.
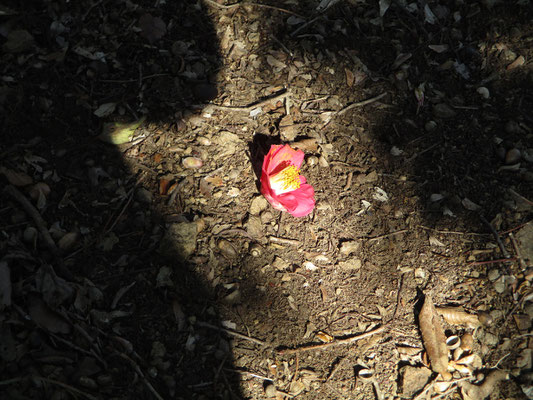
(134, 306)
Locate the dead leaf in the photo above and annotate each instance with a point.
(5, 285)
(45, 317)
(119, 133)
(164, 185)
(16, 178)
(434, 338)
(306, 145)
(456, 316)
(475, 392)
(18, 41)
(349, 77)
(105, 110)
(153, 28)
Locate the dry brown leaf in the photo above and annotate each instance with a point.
(45, 317)
(349, 77)
(307, 145)
(153, 28)
(16, 178)
(434, 338)
(475, 392)
(456, 316)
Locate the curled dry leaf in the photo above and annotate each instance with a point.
(5, 285)
(475, 392)
(16, 178)
(119, 133)
(456, 316)
(45, 317)
(434, 338)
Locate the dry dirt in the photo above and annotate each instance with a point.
(154, 268)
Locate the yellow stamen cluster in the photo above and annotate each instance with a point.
(286, 180)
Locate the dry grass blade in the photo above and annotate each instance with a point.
(434, 338)
(456, 316)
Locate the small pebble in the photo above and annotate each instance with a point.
(512, 156)
(192, 162)
(312, 161)
(430, 126)
(493, 275)
(443, 110)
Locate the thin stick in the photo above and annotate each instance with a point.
(65, 386)
(231, 332)
(427, 228)
(280, 240)
(360, 104)
(351, 339)
(235, 5)
(496, 236)
(34, 214)
(248, 108)
(41, 225)
(141, 374)
(521, 261)
(132, 80)
(500, 260)
(373, 239)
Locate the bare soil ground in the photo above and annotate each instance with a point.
(153, 267)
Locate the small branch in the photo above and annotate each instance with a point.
(360, 104)
(501, 260)
(280, 240)
(69, 388)
(41, 226)
(351, 339)
(141, 375)
(496, 236)
(373, 239)
(230, 332)
(248, 108)
(235, 5)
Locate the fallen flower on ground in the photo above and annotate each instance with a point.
(281, 182)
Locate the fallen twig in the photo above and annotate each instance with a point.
(68, 388)
(141, 375)
(336, 342)
(230, 332)
(41, 226)
(500, 260)
(250, 107)
(373, 239)
(280, 240)
(240, 4)
(360, 104)
(496, 236)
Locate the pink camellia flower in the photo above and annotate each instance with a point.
(281, 182)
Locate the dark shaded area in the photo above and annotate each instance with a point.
(127, 330)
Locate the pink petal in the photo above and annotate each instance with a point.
(299, 202)
(284, 155)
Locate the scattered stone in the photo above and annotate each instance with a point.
(280, 264)
(413, 379)
(227, 249)
(192, 162)
(493, 275)
(163, 278)
(444, 111)
(254, 227)
(179, 240)
(144, 196)
(309, 266)
(312, 161)
(259, 204)
(512, 156)
(350, 265)
(350, 247)
(270, 390)
(68, 241)
(430, 126)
